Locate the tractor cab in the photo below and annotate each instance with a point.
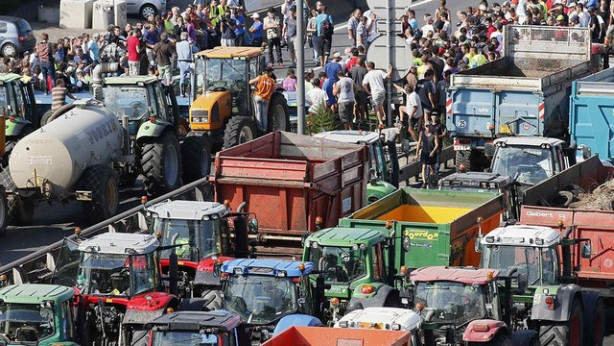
(141, 99)
(188, 328)
(383, 160)
(19, 108)
(34, 314)
(448, 299)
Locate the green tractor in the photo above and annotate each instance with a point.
(35, 314)
(358, 265)
(18, 105)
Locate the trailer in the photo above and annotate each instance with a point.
(525, 93)
(294, 184)
(591, 109)
(441, 225)
(312, 336)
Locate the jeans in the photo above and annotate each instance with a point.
(260, 108)
(274, 43)
(316, 56)
(48, 71)
(184, 69)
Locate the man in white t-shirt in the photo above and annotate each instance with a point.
(413, 110)
(374, 85)
(316, 97)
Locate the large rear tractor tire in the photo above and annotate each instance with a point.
(103, 184)
(278, 113)
(567, 333)
(213, 299)
(594, 322)
(196, 158)
(19, 211)
(240, 129)
(161, 163)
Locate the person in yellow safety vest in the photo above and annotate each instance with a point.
(478, 59)
(467, 56)
(215, 13)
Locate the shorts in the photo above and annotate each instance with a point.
(425, 159)
(378, 98)
(427, 110)
(346, 111)
(415, 122)
(324, 46)
(361, 97)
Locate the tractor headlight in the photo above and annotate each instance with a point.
(200, 116)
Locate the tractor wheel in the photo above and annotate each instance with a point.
(3, 212)
(19, 211)
(501, 339)
(563, 334)
(240, 129)
(102, 182)
(463, 163)
(196, 158)
(278, 113)
(12, 141)
(213, 299)
(594, 323)
(525, 337)
(161, 163)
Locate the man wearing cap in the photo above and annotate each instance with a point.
(428, 26)
(265, 85)
(256, 30)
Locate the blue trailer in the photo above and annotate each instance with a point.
(525, 93)
(591, 118)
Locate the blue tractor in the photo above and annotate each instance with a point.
(270, 296)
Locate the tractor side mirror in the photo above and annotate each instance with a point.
(523, 282)
(252, 225)
(587, 249)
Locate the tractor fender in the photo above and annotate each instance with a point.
(378, 189)
(494, 327)
(296, 320)
(152, 130)
(376, 299)
(565, 296)
(13, 128)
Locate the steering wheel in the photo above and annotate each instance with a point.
(136, 104)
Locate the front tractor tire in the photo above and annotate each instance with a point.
(240, 129)
(196, 158)
(161, 164)
(103, 184)
(278, 113)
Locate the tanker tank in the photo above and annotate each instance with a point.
(54, 157)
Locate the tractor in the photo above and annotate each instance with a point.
(187, 328)
(118, 283)
(270, 296)
(19, 107)
(37, 314)
(222, 108)
(209, 233)
(358, 266)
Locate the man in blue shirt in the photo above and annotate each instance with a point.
(256, 30)
(237, 15)
(333, 67)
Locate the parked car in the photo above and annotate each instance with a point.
(145, 8)
(16, 36)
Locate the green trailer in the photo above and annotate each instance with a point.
(37, 315)
(440, 226)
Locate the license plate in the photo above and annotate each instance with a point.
(462, 147)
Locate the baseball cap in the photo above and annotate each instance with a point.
(571, 4)
(560, 17)
(255, 16)
(337, 55)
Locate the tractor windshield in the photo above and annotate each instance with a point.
(112, 274)
(176, 338)
(526, 260)
(260, 299)
(127, 100)
(23, 323)
(340, 264)
(529, 165)
(201, 237)
(452, 302)
(4, 97)
(229, 74)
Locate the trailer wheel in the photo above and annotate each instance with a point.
(103, 184)
(19, 211)
(501, 339)
(213, 299)
(240, 129)
(567, 333)
(594, 321)
(161, 164)
(278, 113)
(196, 158)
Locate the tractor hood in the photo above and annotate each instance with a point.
(209, 111)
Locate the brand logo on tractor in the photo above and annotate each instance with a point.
(539, 214)
(423, 235)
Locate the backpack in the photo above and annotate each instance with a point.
(327, 29)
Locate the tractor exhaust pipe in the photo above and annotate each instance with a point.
(97, 77)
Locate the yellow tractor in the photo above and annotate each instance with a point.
(222, 106)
